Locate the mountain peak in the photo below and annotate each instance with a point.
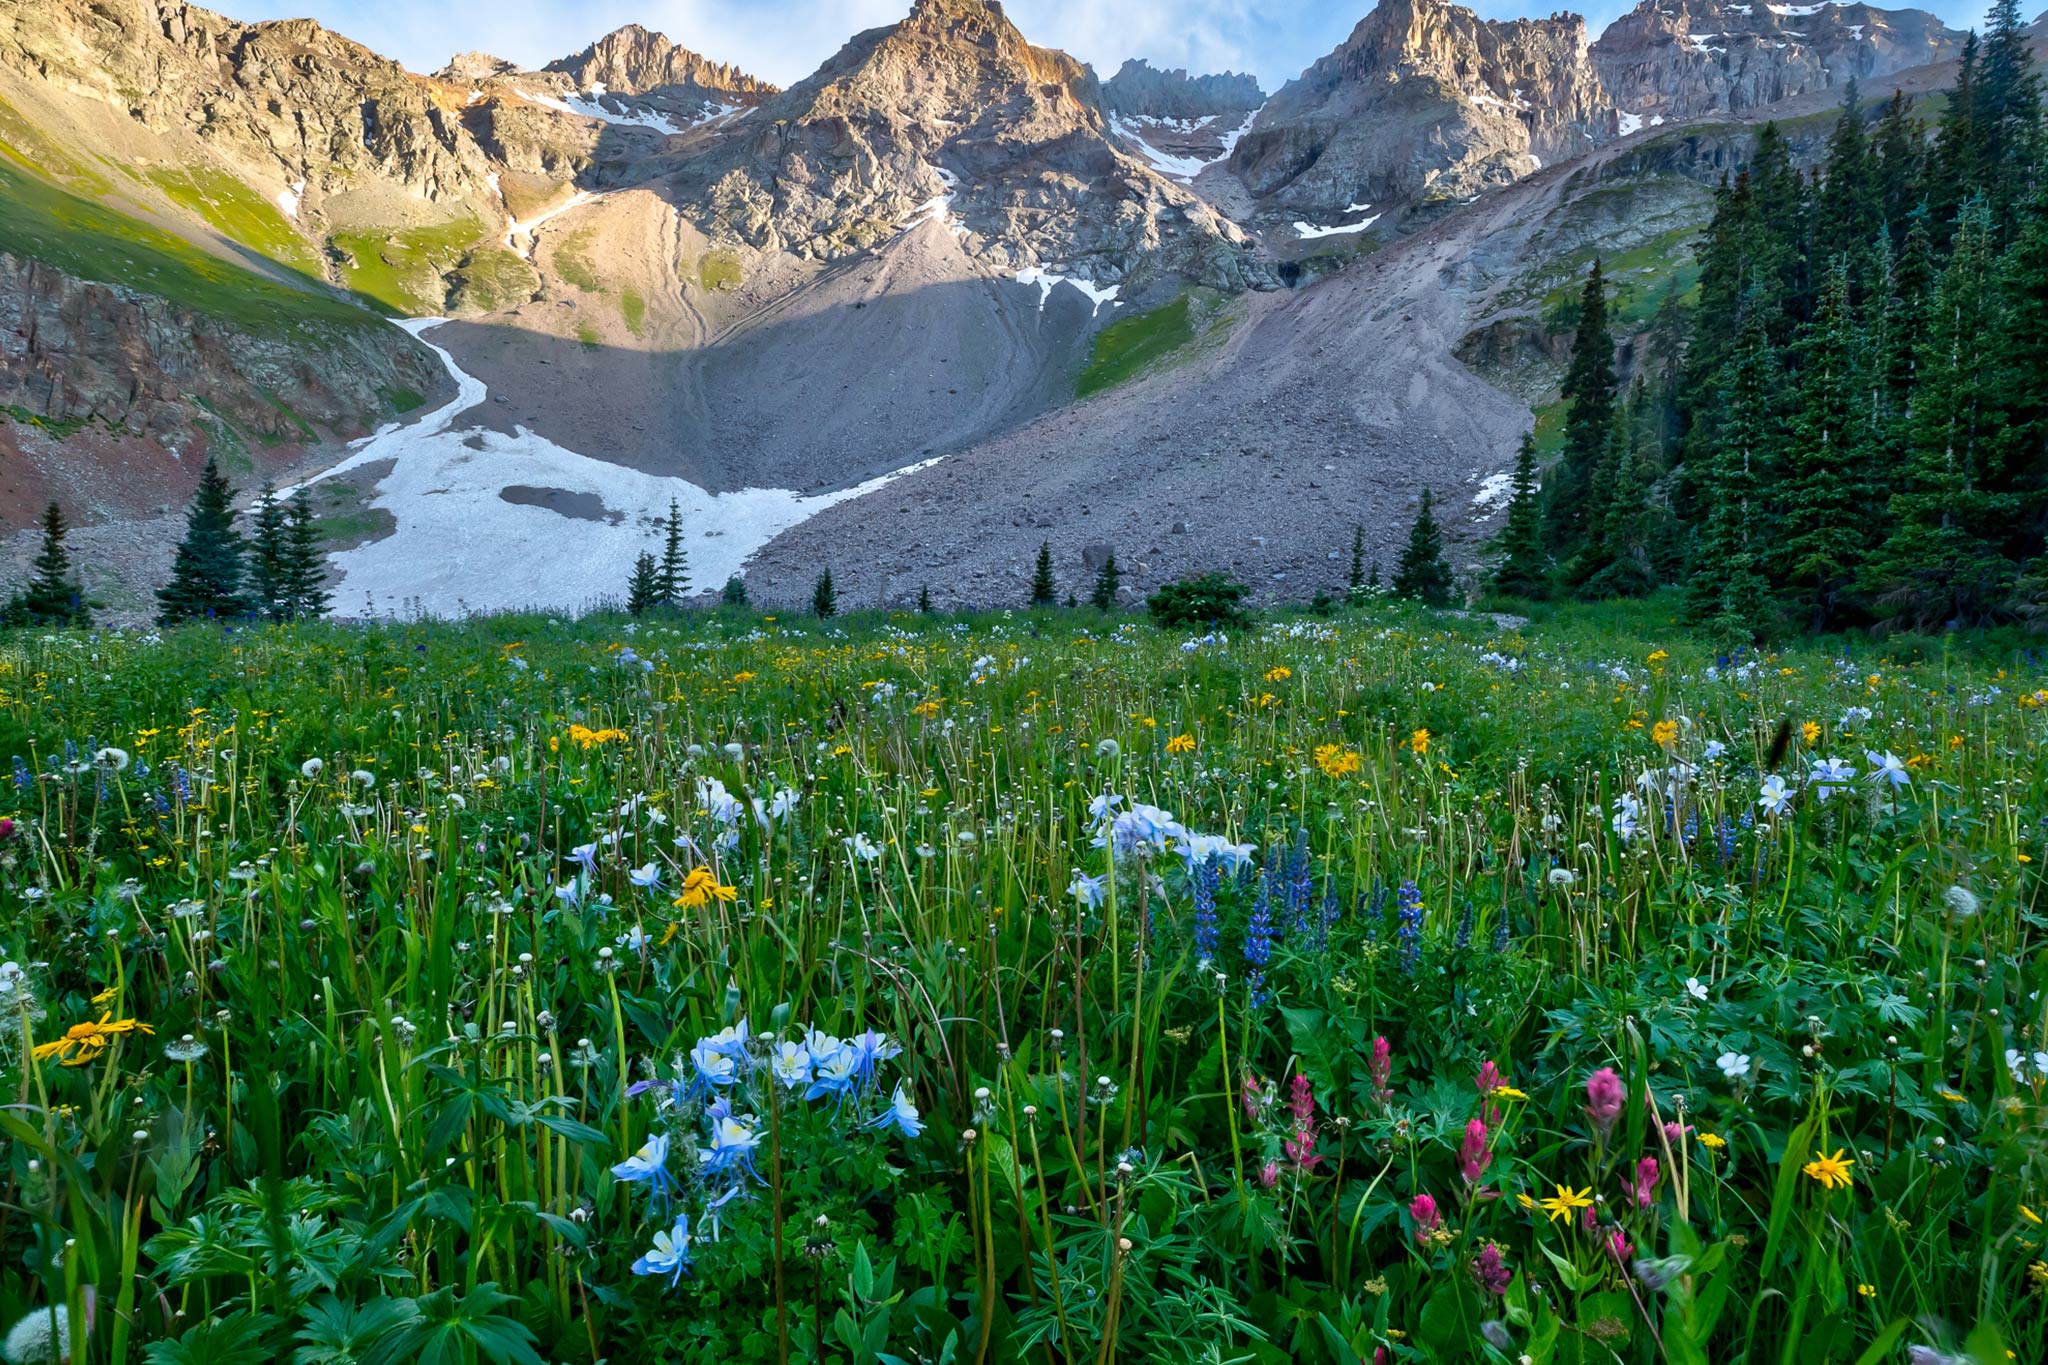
(633, 60)
(1141, 89)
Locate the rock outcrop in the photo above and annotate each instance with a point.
(74, 352)
(952, 114)
(1140, 89)
(1675, 59)
(634, 61)
(1425, 100)
(287, 98)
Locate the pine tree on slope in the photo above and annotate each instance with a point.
(305, 563)
(52, 596)
(673, 576)
(824, 600)
(643, 589)
(1422, 573)
(1524, 567)
(1588, 394)
(266, 563)
(207, 574)
(1044, 591)
(1103, 598)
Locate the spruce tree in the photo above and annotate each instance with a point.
(1044, 591)
(52, 596)
(734, 594)
(924, 599)
(1355, 583)
(1588, 394)
(207, 574)
(1728, 591)
(1898, 156)
(1958, 155)
(305, 563)
(1103, 598)
(643, 589)
(267, 553)
(673, 576)
(1942, 562)
(824, 601)
(1524, 567)
(1826, 494)
(2008, 117)
(1847, 210)
(1422, 573)
(2021, 466)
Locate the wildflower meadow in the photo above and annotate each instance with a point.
(1043, 988)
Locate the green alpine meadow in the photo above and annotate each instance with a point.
(1384, 986)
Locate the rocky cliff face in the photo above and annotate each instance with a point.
(1424, 100)
(1674, 59)
(1143, 90)
(286, 98)
(952, 114)
(633, 61)
(74, 352)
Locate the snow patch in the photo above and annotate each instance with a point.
(1856, 32)
(1629, 123)
(515, 228)
(1494, 493)
(460, 546)
(588, 106)
(1308, 231)
(288, 200)
(1047, 282)
(1170, 164)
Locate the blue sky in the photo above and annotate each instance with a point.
(784, 40)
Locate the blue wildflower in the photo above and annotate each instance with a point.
(1409, 935)
(670, 1254)
(732, 1147)
(648, 1166)
(1258, 943)
(900, 1115)
(710, 1068)
(869, 1050)
(791, 1063)
(23, 779)
(1204, 882)
(834, 1068)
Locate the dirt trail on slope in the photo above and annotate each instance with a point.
(1327, 407)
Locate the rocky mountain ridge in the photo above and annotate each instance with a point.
(1139, 88)
(1675, 59)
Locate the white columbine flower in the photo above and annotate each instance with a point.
(1695, 988)
(1886, 767)
(1776, 797)
(1734, 1065)
(861, 847)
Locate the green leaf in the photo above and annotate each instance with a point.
(1798, 1149)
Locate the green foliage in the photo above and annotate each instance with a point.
(409, 270)
(672, 578)
(1210, 599)
(1131, 345)
(643, 592)
(1045, 591)
(208, 574)
(720, 270)
(237, 213)
(1523, 568)
(1422, 573)
(53, 595)
(1107, 581)
(824, 600)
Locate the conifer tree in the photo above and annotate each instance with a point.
(1897, 155)
(1847, 210)
(1044, 591)
(643, 589)
(52, 596)
(924, 599)
(673, 575)
(2022, 386)
(1355, 583)
(1422, 573)
(734, 594)
(1942, 562)
(824, 601)
(1826, 494)
(305, 563)
(1588, 393)
(207, 574)
(1372, 579)
(1103, 598)
(2008, 116)
(1958, 155)
(1524, 567)
(268, 525)
(1728, 591)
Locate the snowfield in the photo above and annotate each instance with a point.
(460, 545)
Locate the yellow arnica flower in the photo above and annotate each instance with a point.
(1665, 733)
(1566, 1202)
(1419, 741)
(82, 1043)
(702, 887)
(1831, 1171)
(1181, 744)
(1337, 760)
(1810, 731)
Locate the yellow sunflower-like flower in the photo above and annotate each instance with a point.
(1831, 1171)
(701, 887)
(1419, 741)
(1181, 744)
(1566, 1202)
(1337, 760)
(1713, 1142)
(83, 1043)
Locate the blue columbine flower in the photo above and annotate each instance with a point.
(791, 1063)
(1090, 891)
(834, 1068)
(585, 855)
(23, 780)
(732, 1148)
(670, 1254)
(710, 1068)
(900, 1115)
(649, 1165)
(716, 1203)
(870, 1049)
(730, 1042)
